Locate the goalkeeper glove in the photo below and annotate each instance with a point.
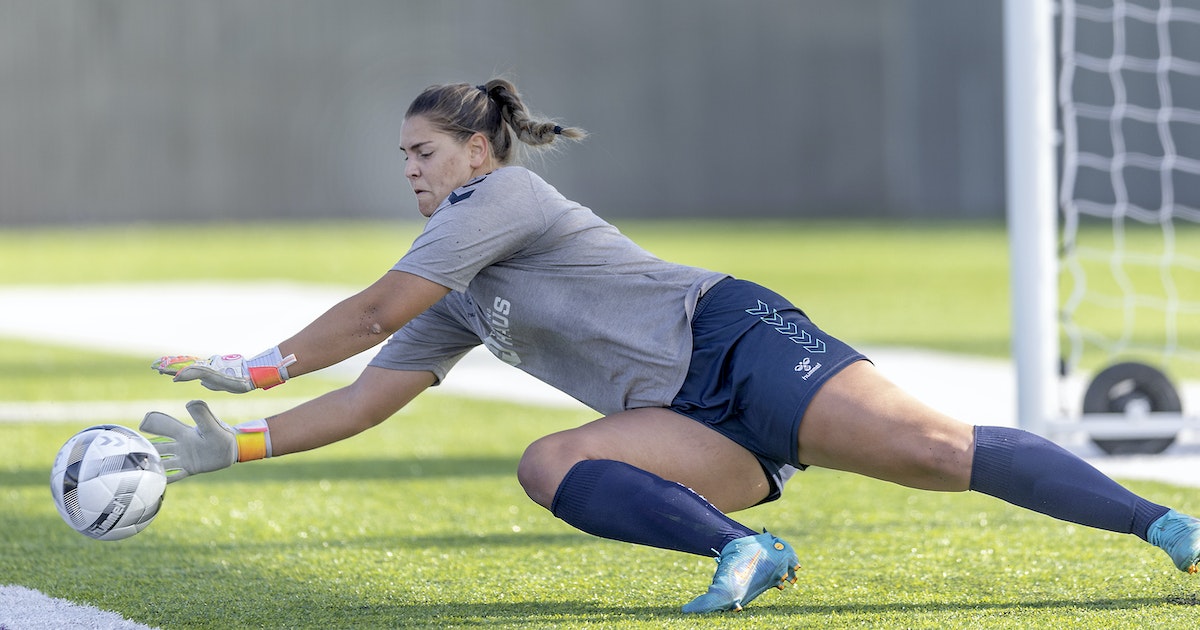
(230, 372)
(208, 446)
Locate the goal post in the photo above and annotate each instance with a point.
(1099, 141)
(1031, 190)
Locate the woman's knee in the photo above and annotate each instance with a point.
(545, 463)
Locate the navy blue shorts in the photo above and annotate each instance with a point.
(757, 361)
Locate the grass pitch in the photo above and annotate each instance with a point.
(421, 523)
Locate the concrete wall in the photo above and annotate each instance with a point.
(130, 110)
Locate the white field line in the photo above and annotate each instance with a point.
(26, 609)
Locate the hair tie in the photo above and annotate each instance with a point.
(482, 88)
(557, 130)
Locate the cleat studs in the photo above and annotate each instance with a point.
(1195, 568)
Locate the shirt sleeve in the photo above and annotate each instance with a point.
(434, 342)
(488, 220)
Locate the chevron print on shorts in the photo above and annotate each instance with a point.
(771, 317)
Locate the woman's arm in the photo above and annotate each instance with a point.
(351, 326)
(212, 445)
(361, 321)
(377, 395)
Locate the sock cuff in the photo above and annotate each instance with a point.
(992, 466)
(570, 500)
(1145, 514)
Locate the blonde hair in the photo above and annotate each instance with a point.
(495, 110)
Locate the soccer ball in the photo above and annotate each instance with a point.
(108, 482)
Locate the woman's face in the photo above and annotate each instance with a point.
(436, 163)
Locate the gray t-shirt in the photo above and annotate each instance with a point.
(551, 289)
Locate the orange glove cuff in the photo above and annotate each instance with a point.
(253, 440)
(265, 377)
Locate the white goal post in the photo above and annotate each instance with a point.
(1043, 161)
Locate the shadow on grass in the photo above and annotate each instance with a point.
(401, 544)
(982, 608)
(533, 540)
(378, 469)
(515, 614)
(329, 470)
(575, 613)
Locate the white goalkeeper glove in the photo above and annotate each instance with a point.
(208, 446)
(229, 372)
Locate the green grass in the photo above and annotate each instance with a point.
(32, 372)
(344, 253)
(942, 286)
(421, 522)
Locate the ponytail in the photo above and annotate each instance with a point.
(495, 110)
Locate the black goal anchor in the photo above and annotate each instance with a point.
(1132, 388)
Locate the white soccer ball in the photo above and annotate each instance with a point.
(108, 482)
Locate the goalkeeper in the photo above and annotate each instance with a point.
(713, 391)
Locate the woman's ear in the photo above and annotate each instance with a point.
(479, 150)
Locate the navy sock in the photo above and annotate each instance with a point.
(1032, 472)
(614, 500)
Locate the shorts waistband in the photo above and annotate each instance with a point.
(704, 297)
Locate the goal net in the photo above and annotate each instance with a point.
(1129, 96)
(1113, 106)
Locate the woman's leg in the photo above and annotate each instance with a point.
(647, 476)
(631, 476)
(656, 440)
(860, 422)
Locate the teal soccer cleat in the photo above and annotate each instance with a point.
(1179, 536)
(745, 568)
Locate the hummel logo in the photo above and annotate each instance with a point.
(455, 197)
(807, 368)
